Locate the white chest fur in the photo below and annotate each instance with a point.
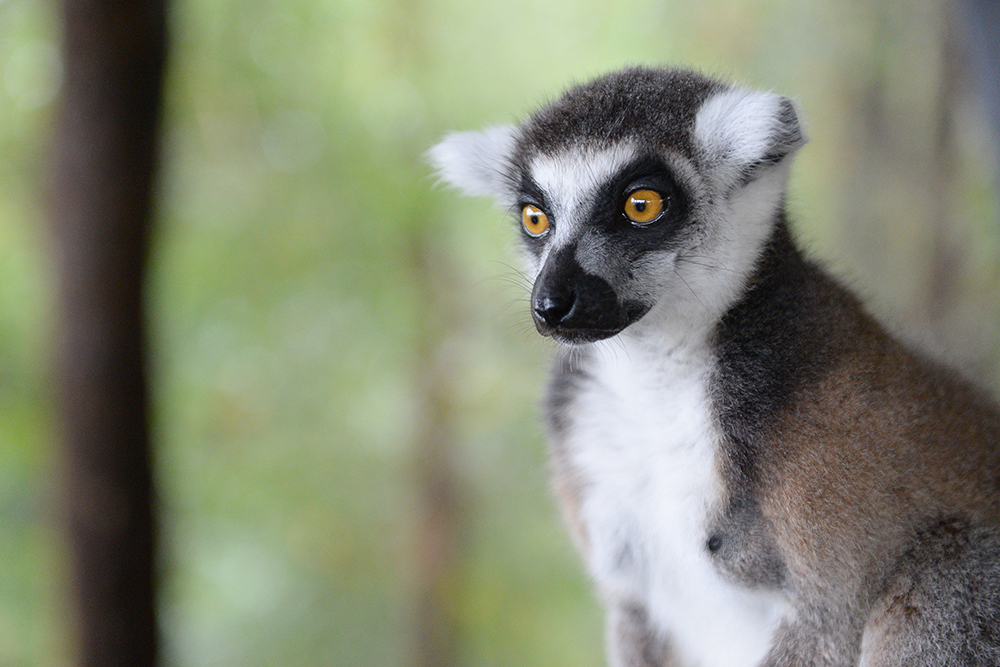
(644, 443)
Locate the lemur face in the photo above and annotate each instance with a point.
(602, 229)
(643, 190)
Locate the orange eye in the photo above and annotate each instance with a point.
(643, 206)
(535, 222)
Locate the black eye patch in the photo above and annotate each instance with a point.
(607, 214)
(648, 173)
(529, 192)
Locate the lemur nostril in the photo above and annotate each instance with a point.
(553, 310)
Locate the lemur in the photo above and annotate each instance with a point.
(754, 471)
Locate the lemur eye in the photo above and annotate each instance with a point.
(643, 206)
(535, 222)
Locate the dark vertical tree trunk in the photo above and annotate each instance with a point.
(438, 489)
(101, 201)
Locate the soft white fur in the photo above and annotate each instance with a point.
(644, 444)
(477, 163)
(735, 128)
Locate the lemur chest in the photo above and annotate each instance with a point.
(643, 443)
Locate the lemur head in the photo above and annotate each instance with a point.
(643, 191)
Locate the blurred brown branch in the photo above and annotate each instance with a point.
(105, 167)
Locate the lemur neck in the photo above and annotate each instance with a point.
(792, 324)
(780, 259)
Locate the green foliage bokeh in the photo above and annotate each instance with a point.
(311, 287)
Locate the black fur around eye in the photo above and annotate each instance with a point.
(644, 192)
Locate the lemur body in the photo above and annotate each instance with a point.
(754, 471)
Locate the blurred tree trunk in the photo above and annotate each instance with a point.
(981, 20)
(945, 259)
(437, 485)
(970, 44)
(104, 173)
(979, 30)
(903, 213)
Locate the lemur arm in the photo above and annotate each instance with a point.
(631, 642)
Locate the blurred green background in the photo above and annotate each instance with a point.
(346, 383)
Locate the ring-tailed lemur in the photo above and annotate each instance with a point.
(755, 472)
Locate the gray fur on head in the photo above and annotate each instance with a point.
(658, 109)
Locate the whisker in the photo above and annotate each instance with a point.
(693, 293)
(609, 350)
(521, 326)
(624, 348)
(513, 269)
(707, 265)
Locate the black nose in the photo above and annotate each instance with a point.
(553, 309)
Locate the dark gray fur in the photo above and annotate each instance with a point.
(946, 587)
(741, 544)
(632, 643)
(659, 105)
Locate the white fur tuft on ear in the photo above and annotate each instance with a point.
(743, 132)
(477, 163)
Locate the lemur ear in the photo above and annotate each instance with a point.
(477, 163)
(744, 133)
